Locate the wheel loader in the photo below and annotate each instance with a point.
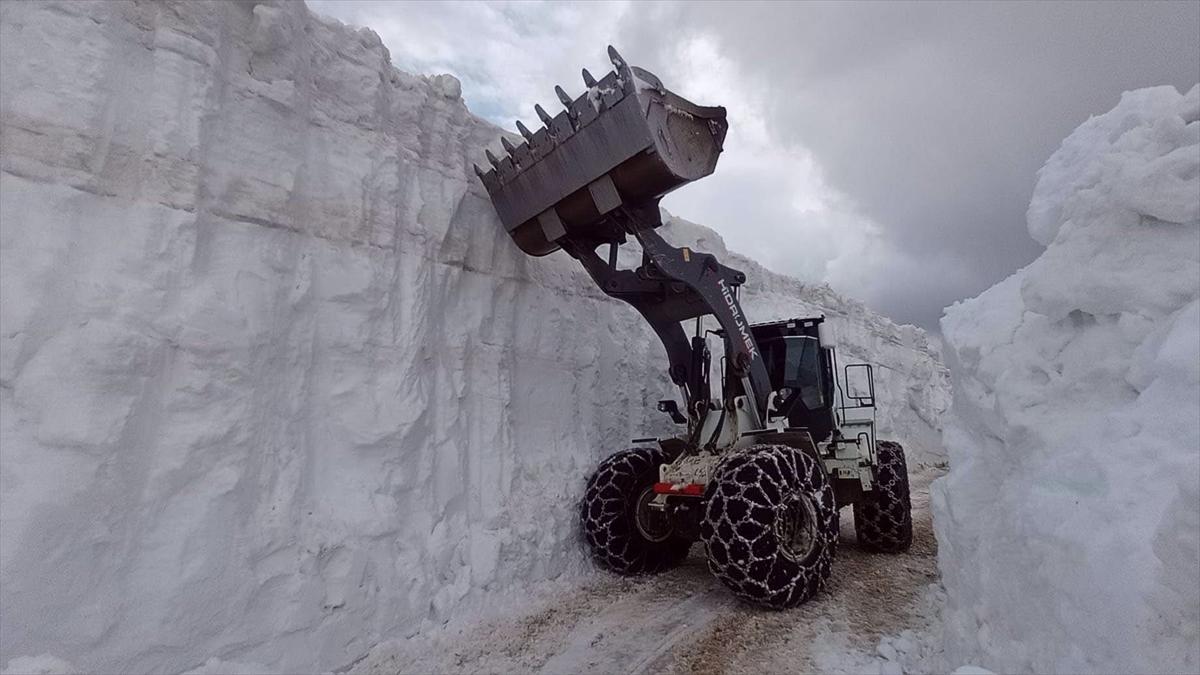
(760, 468)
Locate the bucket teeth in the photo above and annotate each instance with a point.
(508, 147)
(617, 61)
(588, 79)
(541, 113)
(624, 74)
(572, 114)
(524, 131)
(562, 97)
(492, 159)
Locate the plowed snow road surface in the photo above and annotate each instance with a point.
(685, 621)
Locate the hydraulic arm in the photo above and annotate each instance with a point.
(593, 175)
(673, 285)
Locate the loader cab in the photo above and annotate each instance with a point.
(796, 360)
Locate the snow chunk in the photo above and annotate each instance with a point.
(448, 85)
(595, 95)
(1069, 525)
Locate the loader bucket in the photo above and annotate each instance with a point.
(626, 140)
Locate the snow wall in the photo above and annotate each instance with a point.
(274, 381)
(1069, 524)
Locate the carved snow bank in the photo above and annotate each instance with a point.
(274, 383)
(1068, 525)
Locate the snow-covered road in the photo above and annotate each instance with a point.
(685, 621)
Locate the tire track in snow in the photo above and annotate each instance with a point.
(870, 595)
(686, 621)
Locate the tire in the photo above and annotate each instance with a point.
(883, 519)
(610, 516)
(770, 525)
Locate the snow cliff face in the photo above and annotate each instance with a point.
(1068, 526)
(274, 382)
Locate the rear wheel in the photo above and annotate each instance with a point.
(625, 536)
(770, 525)
(883, 519)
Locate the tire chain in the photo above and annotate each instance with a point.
(744, 500)
(608, 517)
(883, 520)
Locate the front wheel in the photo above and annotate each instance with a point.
(623, 534)
(771, 525)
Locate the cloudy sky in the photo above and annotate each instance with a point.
(887, 149)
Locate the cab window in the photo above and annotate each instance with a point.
(795, 363)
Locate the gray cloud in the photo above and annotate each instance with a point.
(889, 149)
(934, 118)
